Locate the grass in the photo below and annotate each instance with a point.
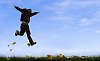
(52, 58)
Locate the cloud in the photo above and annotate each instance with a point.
(91, 19)
(4, 2)
(96, 14)
(61, 9)
(9, 1)
(84, 22)
(98, 31)
(83, 4)
(84, 29)
(69, 13)
(65, 4)
(58, 10)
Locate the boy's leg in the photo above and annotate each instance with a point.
(22, 30)
(28, 36)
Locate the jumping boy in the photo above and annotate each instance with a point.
(25, 19)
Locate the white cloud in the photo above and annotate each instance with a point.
(61, 8)
(84, 29)
(9, 2)
(62, 14)
(96, 14)
(83, 4)
(98, 31)
(4, 2)
(84, 22)
(91, 19)
(62, 5)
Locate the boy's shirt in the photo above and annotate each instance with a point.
(25, 16)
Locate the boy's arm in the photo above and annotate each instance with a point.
(19, 9)
(34, 13)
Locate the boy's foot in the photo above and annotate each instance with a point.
(33, 43)
(16, 33)
(29, 44)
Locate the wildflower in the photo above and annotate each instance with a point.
(8, 59)
(36, 57)
(84, 57)
(49, 56)
(26, 56)
(13, 43)
(60, 56)
(68, 57)
(73, 56)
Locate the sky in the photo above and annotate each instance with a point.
(69, 27)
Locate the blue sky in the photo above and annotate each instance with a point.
(70, 27)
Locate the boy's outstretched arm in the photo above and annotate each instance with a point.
(19, 9)
(34, 13)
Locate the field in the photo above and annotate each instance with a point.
(59, 57)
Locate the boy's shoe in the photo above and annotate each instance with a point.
(16, 33)
(29, 44)
(33, 43)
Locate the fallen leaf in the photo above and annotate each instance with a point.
(13, 43)
(10, 49)
(8, 45)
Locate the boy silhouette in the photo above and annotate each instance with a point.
(25, 19)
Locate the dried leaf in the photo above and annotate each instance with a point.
(10, 49)
(13, 43)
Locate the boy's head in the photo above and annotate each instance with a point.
(29, 10)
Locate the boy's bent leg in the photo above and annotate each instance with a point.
(22, 30)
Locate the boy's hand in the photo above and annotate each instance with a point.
(36, 12)
(15, 6)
